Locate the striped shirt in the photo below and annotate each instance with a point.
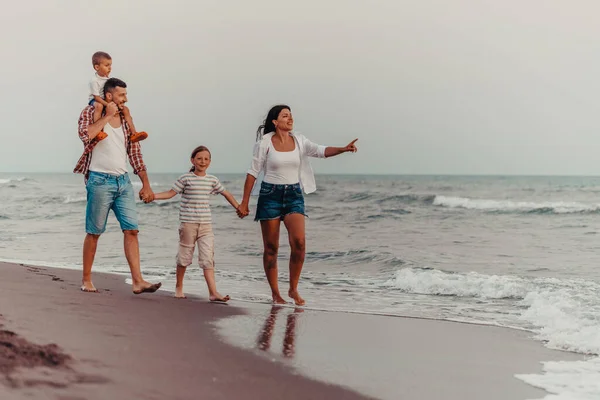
(195, 191)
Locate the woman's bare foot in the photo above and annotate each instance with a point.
(296, 296)
(146, 287)
(88, 286)
(179, 293)
(217, 297)
(277, 299)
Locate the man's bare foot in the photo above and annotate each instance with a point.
(179, 293)
(88, 287)
(146, 287)
(277, 299)
(218, 298)
(296, 296)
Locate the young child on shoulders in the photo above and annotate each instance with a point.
(195, 220)
(102, 63)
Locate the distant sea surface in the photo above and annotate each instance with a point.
(521, 252)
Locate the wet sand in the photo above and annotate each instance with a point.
(117, 345)
(123, 346)
(395, 357)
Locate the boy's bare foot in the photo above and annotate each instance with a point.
(138, 136)
(296, 296)
(277, 299)
(88, 287)
(101, 136)
(146, 287)
(179, 293)
(218, 298)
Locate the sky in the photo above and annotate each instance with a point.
(428, 86)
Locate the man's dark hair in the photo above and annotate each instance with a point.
(112, 83)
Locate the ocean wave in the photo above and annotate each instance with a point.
(380, 198)
(440, 283)
(408, 198)
(565, 312)
(13, 182)
(558, 207)
(75, 199)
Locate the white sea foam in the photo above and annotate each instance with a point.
(558, 207)
(4, 181)
(75, 199)
(565, 312)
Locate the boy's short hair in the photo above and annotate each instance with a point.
(99, 56)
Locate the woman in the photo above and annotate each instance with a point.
(282, 156)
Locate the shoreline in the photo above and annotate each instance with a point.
(180, 349)
(120, 345)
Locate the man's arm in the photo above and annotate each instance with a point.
(146, 193)
(88, 129)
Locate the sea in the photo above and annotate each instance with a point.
(513, 251)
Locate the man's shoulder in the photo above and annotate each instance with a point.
(88, 109)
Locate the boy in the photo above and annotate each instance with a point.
(102, 63)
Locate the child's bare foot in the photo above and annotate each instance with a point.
(218, 298)
(296, 296)
(277, 299)
(146, 287)
(138, 136)
(101, 136)
(179, 293)
(88, 286)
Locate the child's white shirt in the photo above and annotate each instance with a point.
(97, 86)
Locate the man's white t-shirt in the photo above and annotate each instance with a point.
(97, 86)
(110, 155)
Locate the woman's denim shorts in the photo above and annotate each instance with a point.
(277, 201)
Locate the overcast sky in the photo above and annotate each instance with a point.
(428, 86)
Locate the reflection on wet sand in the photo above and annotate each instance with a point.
(266, 334)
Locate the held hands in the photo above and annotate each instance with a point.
(146, 194)
(242, 210)
(351, 147)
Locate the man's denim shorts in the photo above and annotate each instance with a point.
(107, 192)
(277, 201)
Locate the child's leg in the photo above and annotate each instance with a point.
(206, 255)
(213, 295)
(98, 107)
(135, 135)
(179, 285)
(188, 234)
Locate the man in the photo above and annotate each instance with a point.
(104, 165)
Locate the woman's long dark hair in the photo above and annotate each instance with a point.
(196, 151)
(268, 126)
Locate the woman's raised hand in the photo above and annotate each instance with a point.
(351, 147)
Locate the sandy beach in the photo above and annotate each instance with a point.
(116, 345)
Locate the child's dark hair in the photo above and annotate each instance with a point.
(196, 151)
(99, 56)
